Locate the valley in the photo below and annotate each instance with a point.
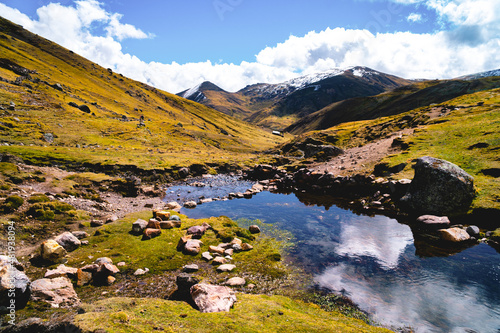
(86, 151)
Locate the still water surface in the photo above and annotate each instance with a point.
(372, 260)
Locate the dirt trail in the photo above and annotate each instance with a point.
(362, 160)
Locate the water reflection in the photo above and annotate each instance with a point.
(373, 260)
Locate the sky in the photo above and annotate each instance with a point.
(177, 44)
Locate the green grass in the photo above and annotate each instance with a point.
(251, 313)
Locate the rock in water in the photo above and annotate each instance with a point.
(211, 298)
(433, 222)
(57, 292)
(12, 277)
(454, 235)
(439, 188)
(69, 241)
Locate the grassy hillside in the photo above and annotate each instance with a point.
(390, 103)
(42, 78)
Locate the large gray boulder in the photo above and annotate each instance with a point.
(439, 188)
(13, 278)
(58, 292)
(68, 241)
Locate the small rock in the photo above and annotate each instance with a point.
(182, 242)
(190, 204)
(57, 292)
(432, 221)
(454, 235)
(228, 252)
(198, 231)
(110, 280)
(121, 264)
(219, 261)
(216, 249)
(83, 277)
(254, 229)
(473, 230)
(151, 233)
(61, 270)
(175, 218)
(96, 223)
(166, 225)
(237, 248)
(211, 299)
(153, 224)
(80, 234)
(173, 206)
(51, 250)
(110, 218)
(246, 247)
(236, 241)
(226, 268)
(161, 215)
(68, 241)
(206, 256)
(192, 247)
(190, 268)
(85, 242)
(141, 271)
(236, 282)
(139, 226)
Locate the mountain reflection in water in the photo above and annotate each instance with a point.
(373, 261)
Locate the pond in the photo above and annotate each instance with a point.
(372, 260)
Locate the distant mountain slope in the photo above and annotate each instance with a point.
(278, 105)
(57, 105)
(495, 72)
(390, 103)
(209, 94)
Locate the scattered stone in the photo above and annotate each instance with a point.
(161, 215)
(139, 226)
(216, 249)
(237, 248)
(50, 250)
(57, 292)
(166, 225)
(61, 270)
(150, 233)
(182, 242)
(246, 247)
(121, 264)
(68, 241)
(432, 221)
(153, 224)
(110, 218)
(236, 241)
(141, 271)
(80, 234)
(210, 298)
(228, 252)
(83, 277)
(219, 261)
(198, 231)
(103, 260)
(251, 286)
(226, 268)
(190, 204)
(454, 235)
(192, 247)
(439, 188)
(49, 137)
(96, 223)
(85, 242)
(254, 229)
(206, 256)
(13, 277)
(190, 268)
(173, 206)
(473, 230)
(110, 280)
(236, 282)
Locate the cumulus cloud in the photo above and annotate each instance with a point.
(414, 17)
(472, 44)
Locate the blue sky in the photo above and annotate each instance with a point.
(175, 45)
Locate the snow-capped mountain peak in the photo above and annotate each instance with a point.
(495, 72)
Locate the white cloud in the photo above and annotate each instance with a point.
(414, 17)
(472, 45)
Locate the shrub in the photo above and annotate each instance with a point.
(12, 203)
(45, 211)
(38, 198)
